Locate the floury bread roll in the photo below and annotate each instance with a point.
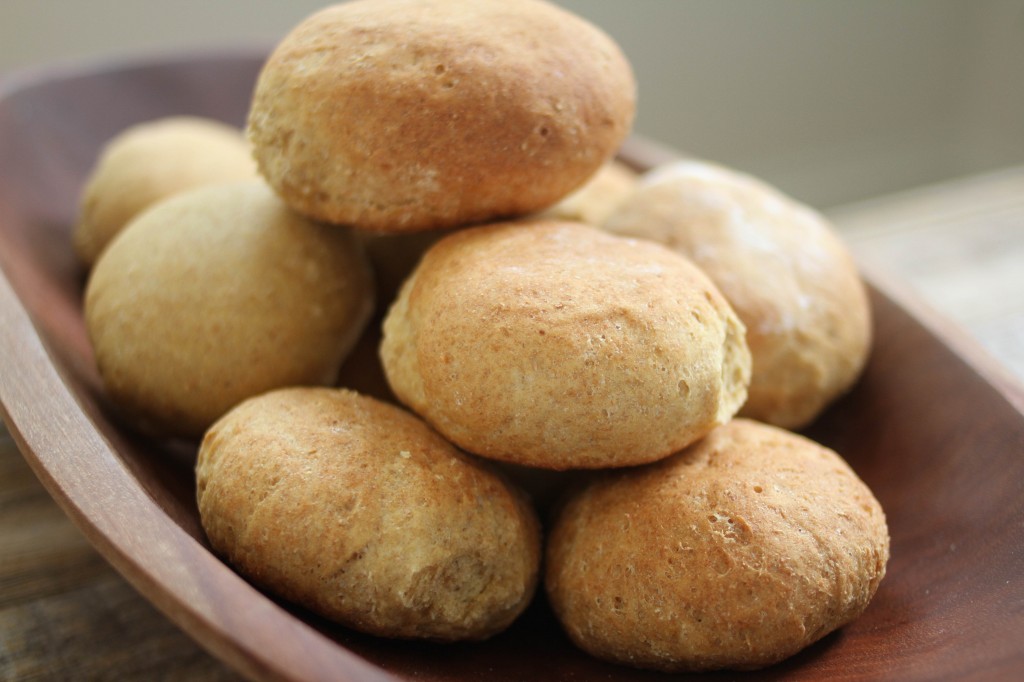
(358, 511)
(218, 294)
(152, 161)
(552, 344)
(782, 267)
(735, 553)
(403, 115)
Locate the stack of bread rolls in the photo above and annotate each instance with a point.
(438, 206)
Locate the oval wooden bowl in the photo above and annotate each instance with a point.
(933, 427)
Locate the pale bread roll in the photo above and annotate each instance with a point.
(403, 115)
(555, 345)
(358, 511)
(783, 268)
(736, 553)
(152, 161)
(218, 294)
(594, 201)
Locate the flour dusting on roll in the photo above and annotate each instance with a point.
(783, 268)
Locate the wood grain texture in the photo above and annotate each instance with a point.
(937, 439)
(64, 612)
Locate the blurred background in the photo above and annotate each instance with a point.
(834, 101)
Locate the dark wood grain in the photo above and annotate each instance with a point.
(931, 428)
(64, 612)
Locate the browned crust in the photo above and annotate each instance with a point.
(735, 553)
(552, 344)
(400, 116)
(358, 511)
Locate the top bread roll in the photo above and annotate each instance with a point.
(782, 267)
(404, 115)
(150, 162)
(553, 344)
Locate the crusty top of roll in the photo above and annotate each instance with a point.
(359, 511)
(736, 553)
(401, 115)
(556, 345)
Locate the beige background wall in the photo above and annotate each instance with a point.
(833, 100)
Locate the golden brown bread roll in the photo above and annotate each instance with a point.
(555, 345)
(735, 553)
(218, 294)
(152, 161)
(402, 115)
(782, 267)
(358, 511)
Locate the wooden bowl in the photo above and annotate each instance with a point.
(933, 427)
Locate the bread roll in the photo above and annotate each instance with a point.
(358, 511)
(594, 201)
(403, 115)
(783, 268)
(218, 294)
(552, 344)
(152, 161)
(735, 553)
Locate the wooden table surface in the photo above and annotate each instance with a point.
(67, 615)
